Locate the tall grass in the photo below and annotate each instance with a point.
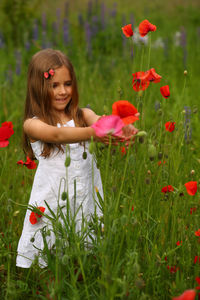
(134, 255)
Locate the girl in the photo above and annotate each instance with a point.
(52, 119)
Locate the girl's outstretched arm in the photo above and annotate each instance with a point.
(38, 130)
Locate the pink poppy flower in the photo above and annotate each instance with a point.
(108, 125)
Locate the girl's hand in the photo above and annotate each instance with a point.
(129, 131)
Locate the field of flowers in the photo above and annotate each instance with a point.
(149, 245)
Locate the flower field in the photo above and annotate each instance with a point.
(135, 64)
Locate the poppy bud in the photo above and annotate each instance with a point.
(151, 151)
(65, 259)
(141, 133)
(192, 172)
(185, 72)
(67, 161)
(64, 196)
(105, 109)
(136, 268)
(84, 155)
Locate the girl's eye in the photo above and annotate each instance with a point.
(54, 85)
(68, 83)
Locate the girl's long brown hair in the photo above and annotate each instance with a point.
(38, 97)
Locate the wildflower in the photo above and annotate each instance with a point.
(165, 91)
(198, 281)
(139, 81)
(30, 164)
(108, 125)
(179, 243)
(6, 130)
(197, 233)
(126, 111)
(187, 295)
(172, 269)
(192, 210)
(152, 76)
(34, 216)
(145, 26)
(170, 126)
(123, 150)
(161, 162)
(167, 188)
(127, 30)
(191, 187)
(196, 259)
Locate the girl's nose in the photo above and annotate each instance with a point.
(62, 89)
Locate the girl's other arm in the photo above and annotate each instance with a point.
(38, 130)
(90, 116)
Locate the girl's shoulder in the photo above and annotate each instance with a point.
(90, 116)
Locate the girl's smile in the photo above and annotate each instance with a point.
(61, 84)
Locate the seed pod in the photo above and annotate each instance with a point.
(141, 133)
(67, 161)
(151, 151)
(64, 196)
(84, 155)
(65, 259)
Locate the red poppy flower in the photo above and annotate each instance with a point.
(196, 259)
(34, 216)
(165, 91)
(167, 188)
(30, 164)
(7, 124)
(126, 111)
(6, 130)
(127, 30)
(170, 126)
(140, 83)
(197, 233)
(191, 187)
(145, 26)
(152, 76)
(187, 295)
(192, 210)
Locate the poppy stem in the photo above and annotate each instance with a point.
(149, 53)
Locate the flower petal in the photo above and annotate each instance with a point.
(108, 125)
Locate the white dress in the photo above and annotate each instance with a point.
(48, 178)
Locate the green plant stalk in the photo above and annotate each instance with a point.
(123, 178)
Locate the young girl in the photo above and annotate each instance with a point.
(53, 119)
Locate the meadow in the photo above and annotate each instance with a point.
(149, 245)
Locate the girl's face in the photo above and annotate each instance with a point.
(61, 84)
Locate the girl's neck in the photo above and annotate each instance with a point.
(63, 118)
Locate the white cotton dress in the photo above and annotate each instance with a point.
(49, 174)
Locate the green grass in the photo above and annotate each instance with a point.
(132, 257)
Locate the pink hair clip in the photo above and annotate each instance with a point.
(49, 73)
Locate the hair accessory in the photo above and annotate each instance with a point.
(49, 73)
